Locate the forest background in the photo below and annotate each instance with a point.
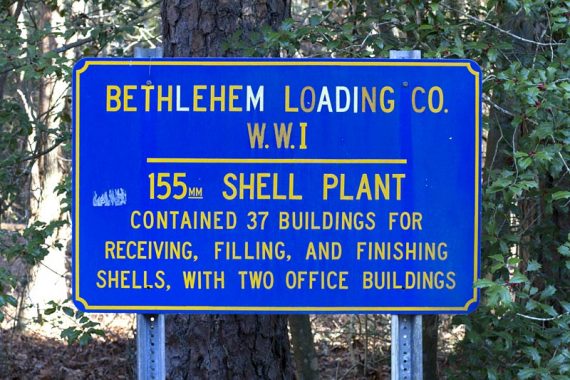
(521, 328)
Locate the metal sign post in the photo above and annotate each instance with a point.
(407, 363)
(150, 327)
(407, 347)
(150, 347)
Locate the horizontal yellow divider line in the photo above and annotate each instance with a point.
(365, 161)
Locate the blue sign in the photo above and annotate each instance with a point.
(276, 186)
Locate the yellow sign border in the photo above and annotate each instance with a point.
(237, 62)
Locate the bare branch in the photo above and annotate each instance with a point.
(542, 319)
(72, 45)
(38, 154)
(550, 44)
(561, 156)
(142, 15)
(498, 107)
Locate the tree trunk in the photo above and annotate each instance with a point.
(429, 336)
(223, 346)
(47, 280)
(306, 361)
(227, 347)
(204, 28)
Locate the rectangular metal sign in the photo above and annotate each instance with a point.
(276, 185)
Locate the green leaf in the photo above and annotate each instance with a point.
(564, 250)
(499, 257)
(492, 54)
(70, 334)
(514, 261)
(560, 195)
(496, 267)
(533, 354)
(526, 373)
(533, 265)
(425, 27)
(498, 295)
(97, 332)
(500, 184)
(548, 292)
(90, 324)
(518, 278)
(558, 360)
(314, 20)
(84, 339)
(11, 300)
(68, 311)
(483, 283)
(525, 163)
(549, 309)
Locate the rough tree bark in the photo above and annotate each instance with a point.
(227, 347)
(222, 346)
(195, 28)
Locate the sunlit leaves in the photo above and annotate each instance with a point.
(79, 327)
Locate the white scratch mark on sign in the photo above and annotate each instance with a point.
(110, 198)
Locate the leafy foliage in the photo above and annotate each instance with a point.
(522, 327)
(39, 43)
(82, 329)
(7, 283)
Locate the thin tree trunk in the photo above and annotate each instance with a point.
(47, 280)
(429, 335)
(306, 361)
(223, 346)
